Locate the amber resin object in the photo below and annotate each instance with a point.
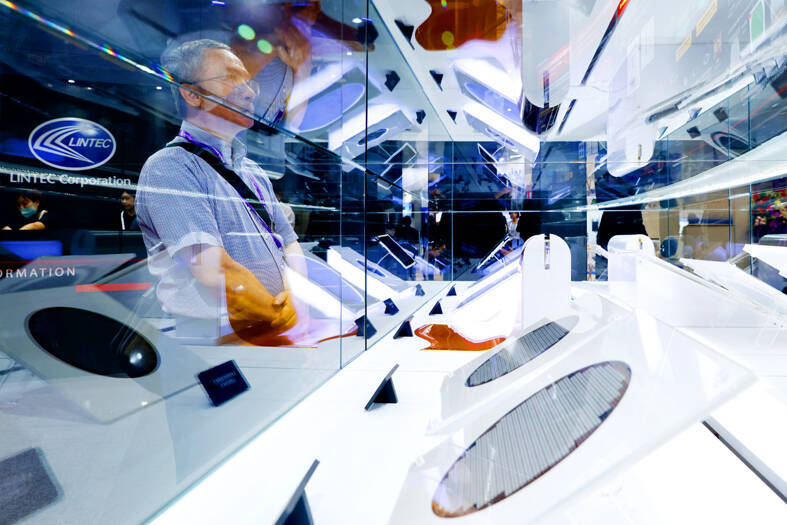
(454, 22)
(443, 337)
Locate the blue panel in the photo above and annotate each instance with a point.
(331, 105)
(29, 250)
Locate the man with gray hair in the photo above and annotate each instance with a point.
(215, 234)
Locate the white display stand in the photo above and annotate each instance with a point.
(735, 314)
(639, 279)
(741, 283)
(459, 401)
(518, 294)
(775, 256)
(621, 267)
(622, 262)
(675, 382)
(546, 278)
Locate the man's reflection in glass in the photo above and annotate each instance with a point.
(205, 242)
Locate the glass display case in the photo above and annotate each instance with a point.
(210, 209)
(150, 238)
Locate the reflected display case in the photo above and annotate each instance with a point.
(559, 228)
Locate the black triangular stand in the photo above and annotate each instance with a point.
(419, 290)
(365, 327)
(451, 292)
(721, 114)
(404, 331)
(420, 115)
(436, 309)
(367, 33)
(385, 393)
(297, 511)
(438, 78)
(452, 114)
(390, 307)
(407, 31)
(391, 80)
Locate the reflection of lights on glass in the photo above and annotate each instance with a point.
(448, 38)
(71, 81)
(218, 2)
(444, 4)
(87, 129)
(103, 48)
(89, 88)
(159, 88)
(349, 53)
(357, 20)
(246, 32)
(264, 46)
(163, 72)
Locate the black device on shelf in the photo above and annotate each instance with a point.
(398, 253)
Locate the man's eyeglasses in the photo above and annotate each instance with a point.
(237, 87)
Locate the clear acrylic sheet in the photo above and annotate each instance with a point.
(702, 303)
(102, 398)
(740, 283)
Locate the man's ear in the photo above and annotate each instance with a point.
(191, 98)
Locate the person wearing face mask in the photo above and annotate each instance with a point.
(30, 215)
(211, 223)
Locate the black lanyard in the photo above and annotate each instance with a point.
(252, 200)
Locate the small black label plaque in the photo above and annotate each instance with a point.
(223, 382)
(25, 486)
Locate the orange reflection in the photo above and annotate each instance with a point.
(307, 333)
(443, 337)
(454, 22)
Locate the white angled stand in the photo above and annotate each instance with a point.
(546, 278)
(640, 279)
(775, 256)
(741, 283)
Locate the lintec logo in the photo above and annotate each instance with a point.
(72, 144)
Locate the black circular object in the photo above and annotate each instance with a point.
(734, 144)
(93, 342)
